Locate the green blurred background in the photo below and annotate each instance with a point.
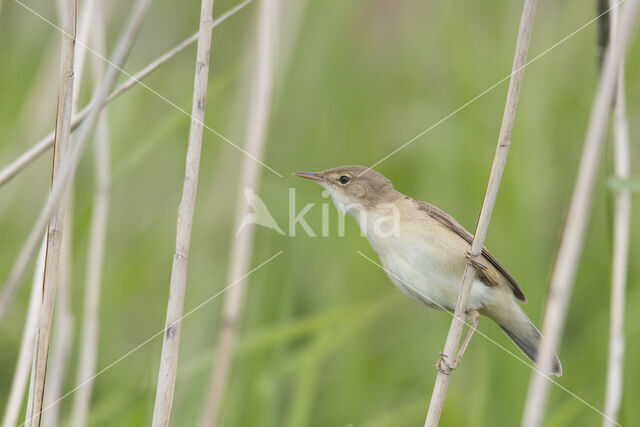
(326, 340)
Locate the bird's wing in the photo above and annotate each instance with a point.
(489, 276)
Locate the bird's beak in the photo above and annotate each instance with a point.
(309, 175)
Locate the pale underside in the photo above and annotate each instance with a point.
(425, 259)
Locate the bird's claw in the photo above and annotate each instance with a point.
(471, 259)
(445, 367)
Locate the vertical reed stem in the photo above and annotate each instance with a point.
(52, 205)
(499, 161)
(621, 233)
(63, 317)
(620, 260)
(58, 188)
(62, 325)
(88, 346)
(177, 287)
(242, 244)
(25, 356)
(573, 235)
(56, 222)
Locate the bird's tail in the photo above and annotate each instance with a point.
(526, 336)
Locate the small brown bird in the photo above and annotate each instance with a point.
(422, 250)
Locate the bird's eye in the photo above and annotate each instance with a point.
(344, 179)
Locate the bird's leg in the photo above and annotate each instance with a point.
(471, 259)
(474, 318)
(445, 366)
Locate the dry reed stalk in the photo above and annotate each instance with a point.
(620, 259)
(12, 169)
(57, 190)
(57, 220)
(242, 244)
(62, 325)
(95, 259)
(63, 322)
(499, 161)
(621, 233)
(186, 210)
(53, 200)
(125, 42)
(87, 19)
(573, 235)
(25, 356)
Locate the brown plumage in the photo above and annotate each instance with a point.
(490, 276)
(422, 250)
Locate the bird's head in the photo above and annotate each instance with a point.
(353, 188)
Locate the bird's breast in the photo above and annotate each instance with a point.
(426, 265)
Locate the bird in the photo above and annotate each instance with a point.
(423, 251)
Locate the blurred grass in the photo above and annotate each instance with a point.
(326, 340)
